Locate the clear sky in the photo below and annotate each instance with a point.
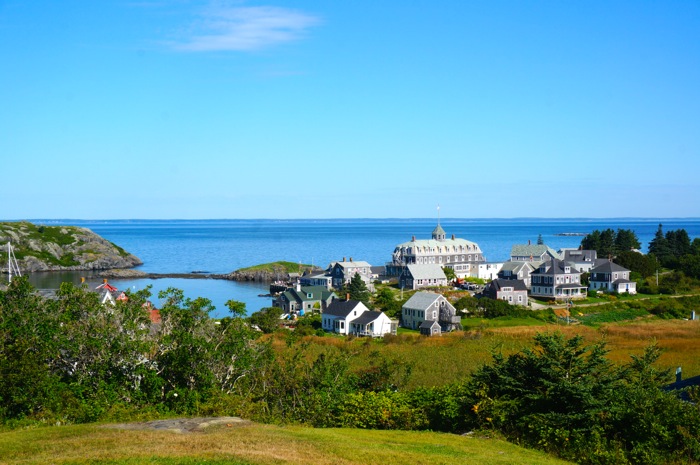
(349, 109)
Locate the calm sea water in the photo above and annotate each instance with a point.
(222, 246)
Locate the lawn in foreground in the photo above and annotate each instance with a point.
(255, 444)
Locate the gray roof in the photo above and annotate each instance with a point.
(378, 270)
(342, 308)
(556, 267)
(438, 231)
(427, 324)
(354, 264)
(579, 255)
(429, 271)
(608, 267)
(421, 300)
(367, 317)
(447, 242)
(516, 284)
(532, 250)
(517, 266)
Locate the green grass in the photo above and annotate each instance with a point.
(256, 444)
(472, 324)
(289, 267)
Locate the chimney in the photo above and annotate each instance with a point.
(298, 286)
(347, 296)
(528, 242)
(351, 259)
(679, 374)
(343, 258)
(413, 238)
(453, 237)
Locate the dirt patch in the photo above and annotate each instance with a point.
(183, 425)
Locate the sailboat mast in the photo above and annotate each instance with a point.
(12, 266)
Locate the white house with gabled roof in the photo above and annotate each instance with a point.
(338, 316)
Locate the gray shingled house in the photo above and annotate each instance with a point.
(557, 280)
(429, 306)
(512, 291)
(611, 277)
(417, 276)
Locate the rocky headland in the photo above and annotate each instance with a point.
(61, 248)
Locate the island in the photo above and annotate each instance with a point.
(61, 248)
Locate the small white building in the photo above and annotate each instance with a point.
(340, 314)
(374, 324)
(489, 270)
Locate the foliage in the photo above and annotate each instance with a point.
(278, 266)
(386, 301)
(266, 319)
(567, 398)
(449, 274)
(357, 289)
(609, 242)
(645, 265)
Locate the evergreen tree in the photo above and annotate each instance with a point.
(540, 241)
(607, 243)
(679, 242)
(660, 247)
(626, 240)
(591, 241)
(358, 290)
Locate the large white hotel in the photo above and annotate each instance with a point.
(461, 255)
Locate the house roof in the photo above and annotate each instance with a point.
(556, 267)
(353, 264)
(533, 250)
(367, 317)
(438, 231)
(378, 270)
(516, 266)
(428, 271)
(343, 308)
(422, 300)
(456, 242)
(315, 292)
(578, 255)
(516, 284)
(608, 267)
(427, 324)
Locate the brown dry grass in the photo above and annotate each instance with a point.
(453, 356)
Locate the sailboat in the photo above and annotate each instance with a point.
(12, 266)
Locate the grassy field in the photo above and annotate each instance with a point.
(256, 444)
(440, 360)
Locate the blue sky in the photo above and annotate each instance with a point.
(317, 109)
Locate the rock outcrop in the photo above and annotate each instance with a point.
(61, 248)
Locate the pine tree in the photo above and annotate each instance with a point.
(660, 247)
(358, 290)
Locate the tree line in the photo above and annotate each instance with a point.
(672, 252)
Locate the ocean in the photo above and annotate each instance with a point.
(222, 246)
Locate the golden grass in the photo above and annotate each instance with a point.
(439, 360)
(256, 444)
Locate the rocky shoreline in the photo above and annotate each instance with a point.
(257, 276)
